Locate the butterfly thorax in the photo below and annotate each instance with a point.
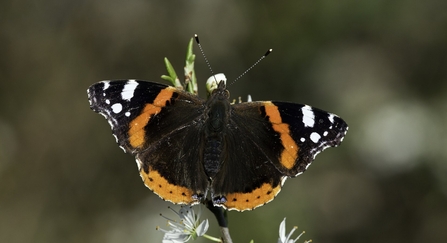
(218, 110)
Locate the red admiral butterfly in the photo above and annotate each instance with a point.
(186, 147)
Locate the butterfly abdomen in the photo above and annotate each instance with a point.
(212, 156)
(215, 130)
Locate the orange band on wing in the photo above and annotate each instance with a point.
(136, 129)
(290, 152)
(253, 199)
(167, 191)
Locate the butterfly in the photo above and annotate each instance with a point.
(187, 148)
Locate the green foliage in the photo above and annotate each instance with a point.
(190, 83)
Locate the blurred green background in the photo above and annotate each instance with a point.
(381, 65)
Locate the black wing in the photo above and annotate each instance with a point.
(266, 143)
(160, 125)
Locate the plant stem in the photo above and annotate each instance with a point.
(222, 220)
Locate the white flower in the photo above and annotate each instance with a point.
(288, 239)
(188, 227)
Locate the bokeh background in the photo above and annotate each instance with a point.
(381, 65)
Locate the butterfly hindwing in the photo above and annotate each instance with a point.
(247, 179)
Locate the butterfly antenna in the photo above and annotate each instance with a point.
(252, 66)
(203, 54)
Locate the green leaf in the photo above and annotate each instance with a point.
(172, 75)
(190, 83)
(190, 75)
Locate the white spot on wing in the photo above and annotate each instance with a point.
(116, 139)
(303, 140)
(106, 85)
(104, 115)
(307, 166)
(129, 89)
(315, 137)
(108, 101)
(325, 133)
(117, 108)
(111, 122)
(341, 139)
(308, 116)
(127, 114)
(331, 117)
(139, 163)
